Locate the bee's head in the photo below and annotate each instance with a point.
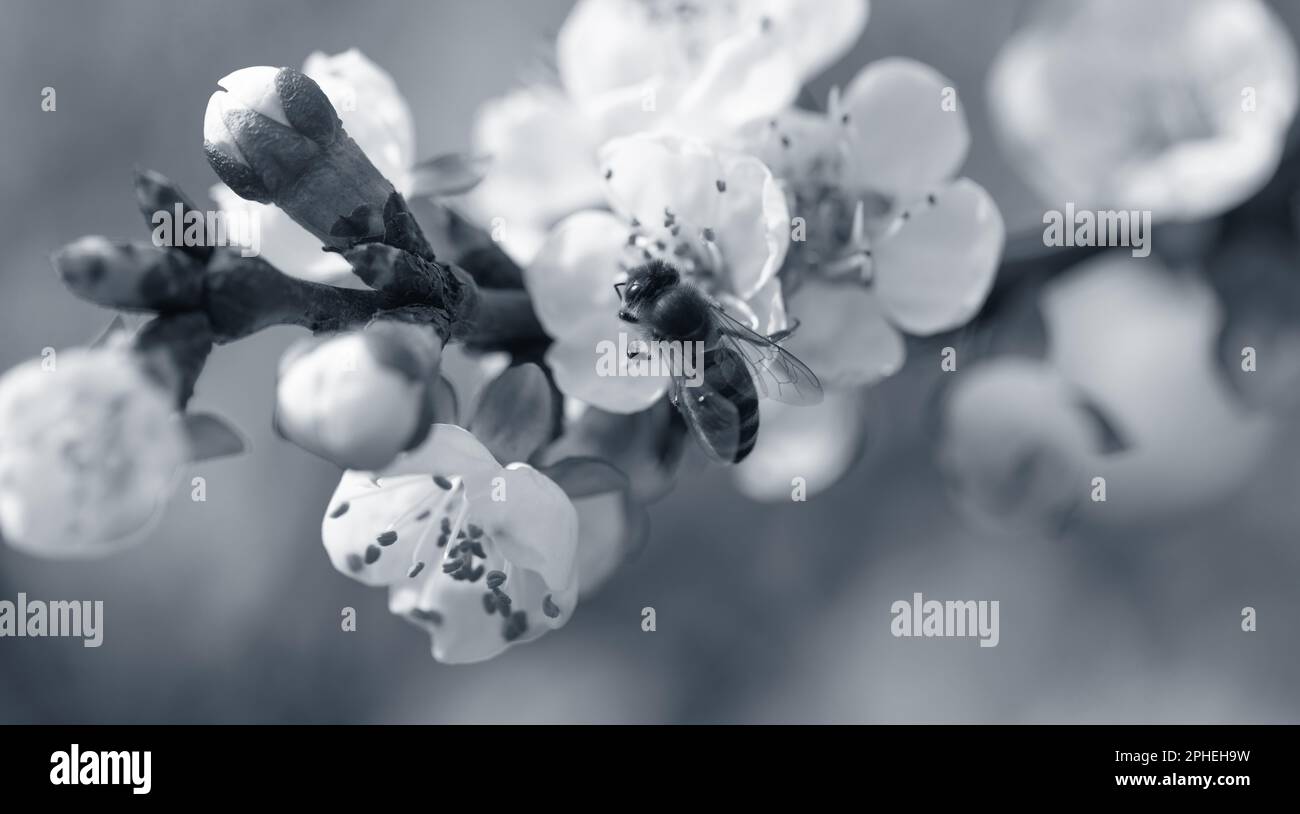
(644, 285)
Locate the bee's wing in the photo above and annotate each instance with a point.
(777, 373)
(712, 419)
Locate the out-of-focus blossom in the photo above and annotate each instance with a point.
(480, 555)
(1179, 107)
(358, 399)
(1018, 444)
(375, 116)
(718, 217)
(90, 448)
(1134, 345)
(693, 68)
(706, 67)
(889, 241)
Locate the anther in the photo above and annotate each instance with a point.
(549, 607)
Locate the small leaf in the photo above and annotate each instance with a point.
(581, 477)
(118, 325)
(516, 414)
(211, 436)
(449, 174)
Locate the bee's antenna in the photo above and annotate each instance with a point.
(618, 289)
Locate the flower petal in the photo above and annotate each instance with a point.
(535, 526)
(580, 363)
(815, 33)
(648, 174)
(543, 165)
(572, 276)
(817, 443)
(373, 531)
(744, 78)
(604, 45)
(935, 267)
(752, 223)
(449, 451)
(373, 110)
(843, 334)
(904, 141)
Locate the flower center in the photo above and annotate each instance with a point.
(465, 549)
(690, 248)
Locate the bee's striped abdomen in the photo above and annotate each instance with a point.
(726, 374)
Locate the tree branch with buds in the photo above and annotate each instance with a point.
(273, 137)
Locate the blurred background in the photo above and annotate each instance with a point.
(765, 612)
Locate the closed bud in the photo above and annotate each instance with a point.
(130, 276)
(272, 136)
(358, 399)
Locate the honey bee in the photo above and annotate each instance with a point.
(739, 364)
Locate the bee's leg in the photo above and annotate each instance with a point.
(781, 336)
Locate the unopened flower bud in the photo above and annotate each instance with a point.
(272, 136)
(89, 450)
(358, 399)
(129, 275)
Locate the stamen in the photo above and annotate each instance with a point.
(549, 607)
